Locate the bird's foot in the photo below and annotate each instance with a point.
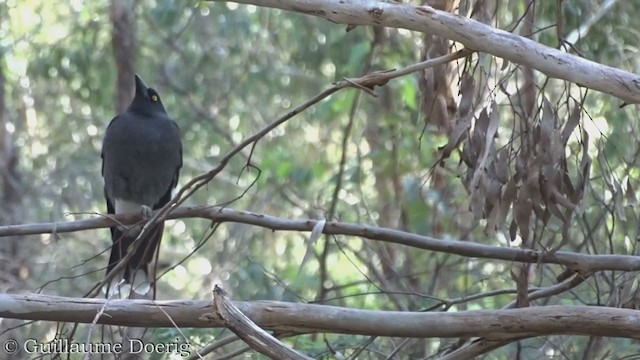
(113, 289)
(145, 212)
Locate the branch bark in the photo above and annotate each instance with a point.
(249, 332)
(579, 262)
(309, 318)
(474, 35)
(123, 44)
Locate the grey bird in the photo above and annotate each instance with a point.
(141, 161)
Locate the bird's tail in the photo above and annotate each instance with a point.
(134, 277)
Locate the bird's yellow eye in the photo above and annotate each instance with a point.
(154, 98)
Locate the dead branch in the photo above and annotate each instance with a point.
(253, 335)
(473, 35)
(585, 263)
(310, 318)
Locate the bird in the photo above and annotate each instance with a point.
(141, 162)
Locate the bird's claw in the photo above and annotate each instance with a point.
(145, 212)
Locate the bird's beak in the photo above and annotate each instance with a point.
(141, 87)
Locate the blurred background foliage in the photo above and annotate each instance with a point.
(225, 71)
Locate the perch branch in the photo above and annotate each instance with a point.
(585, 263)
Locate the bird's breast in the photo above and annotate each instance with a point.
(141, 157)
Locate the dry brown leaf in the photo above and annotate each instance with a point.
(513, 230)
(558, 198)
(491, 123)
(468, 156)
(556, 149)
(505, 64)
(477, 203)
(490, 228)
(604, 167)
(547, 126)
(630, 195)
(522, 215)
(494, 189)
(574, 120)
(318, 228)
(467, 87)
(568, 187)
(618, 202)
(482, 124)
(553, 209)
(585, 168)
(508, 197)
(532, 186)
(544, 184)
(502, 166)
(455, 137)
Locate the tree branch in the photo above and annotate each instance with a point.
(308, 318)
(585, 263)
(245, 329)
(473, 35)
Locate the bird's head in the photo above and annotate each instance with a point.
(146, 99)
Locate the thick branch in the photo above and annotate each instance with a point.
(576, 261)
(245, 329)
(474, 35)
(307, 318)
